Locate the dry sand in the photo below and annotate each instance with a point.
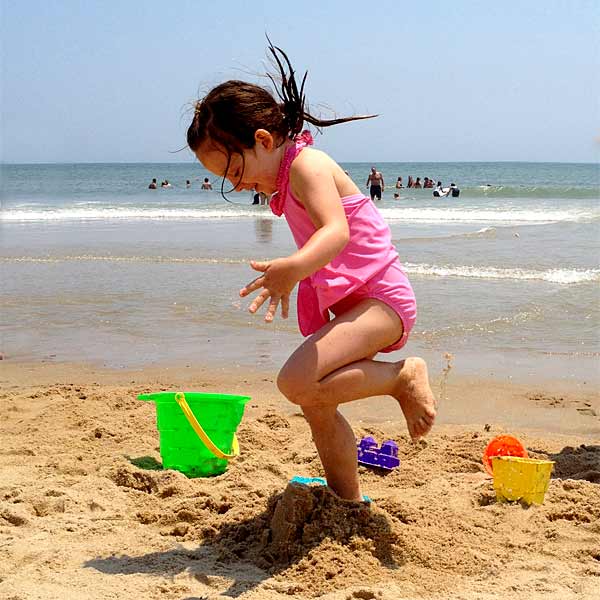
(86, 512)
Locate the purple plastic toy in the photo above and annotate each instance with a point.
(371, 455)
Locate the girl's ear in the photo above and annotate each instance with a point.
(265, 139)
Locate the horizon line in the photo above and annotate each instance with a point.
(556, 162)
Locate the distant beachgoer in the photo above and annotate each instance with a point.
(411, 183)
(417, 183)
(454, 191)
(439, 191)
(375, 184)
(188, 183)
(206, 185)
(152, 185)
(399, 183)
(427, 183)
(165, 183)
(260, 198)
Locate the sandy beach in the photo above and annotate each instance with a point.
(87, 512)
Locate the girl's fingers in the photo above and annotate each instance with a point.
(285, 306)
(259, 266)
(253, 285)
(259, 301)
(272, 309)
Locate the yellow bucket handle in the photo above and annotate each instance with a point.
(235, 447)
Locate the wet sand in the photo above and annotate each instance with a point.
(87, 512)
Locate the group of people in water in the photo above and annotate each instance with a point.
(376, 185)
(206, 184)
(163, 184)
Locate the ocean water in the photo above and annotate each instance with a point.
(96, 267)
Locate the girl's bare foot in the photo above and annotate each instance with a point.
(415, 396)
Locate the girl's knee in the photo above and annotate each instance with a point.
(295, 386)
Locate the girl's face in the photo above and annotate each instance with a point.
(256, 170)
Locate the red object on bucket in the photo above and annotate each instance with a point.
(503, 445)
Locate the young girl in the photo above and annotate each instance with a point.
(345, 265)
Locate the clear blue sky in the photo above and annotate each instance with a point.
(92, 81)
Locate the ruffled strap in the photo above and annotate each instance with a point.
(304, 139)
(283, 176)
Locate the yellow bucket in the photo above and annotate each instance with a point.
(521, 479)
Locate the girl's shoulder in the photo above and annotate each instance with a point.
(314, 172)
(312, 162)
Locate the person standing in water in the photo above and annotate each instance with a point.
(345, 264)
(454, 191)
(439, 191)
(375, 184)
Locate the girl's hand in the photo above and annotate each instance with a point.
(277, 280)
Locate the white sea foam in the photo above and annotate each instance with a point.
(405, 214)
(130, 214)
(563, 276)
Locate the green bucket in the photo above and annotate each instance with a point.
(197, 431)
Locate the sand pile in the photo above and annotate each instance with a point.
(87, 512)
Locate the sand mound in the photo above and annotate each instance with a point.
(577, 463)
(87, 511)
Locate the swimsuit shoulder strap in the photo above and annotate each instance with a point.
(283, 176)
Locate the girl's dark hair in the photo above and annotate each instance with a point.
(230, 113)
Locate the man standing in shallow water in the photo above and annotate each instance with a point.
(375, 184)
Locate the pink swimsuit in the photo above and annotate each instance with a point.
(368, 266)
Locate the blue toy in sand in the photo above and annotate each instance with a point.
(318, 481)
(308, 480)
(371, 455)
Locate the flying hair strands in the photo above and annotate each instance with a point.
(294, 100)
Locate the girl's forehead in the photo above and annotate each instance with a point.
(214, 159)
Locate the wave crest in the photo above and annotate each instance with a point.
(563, 276)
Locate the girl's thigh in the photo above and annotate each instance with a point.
(357, 334)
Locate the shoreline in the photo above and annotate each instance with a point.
(551, 405)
